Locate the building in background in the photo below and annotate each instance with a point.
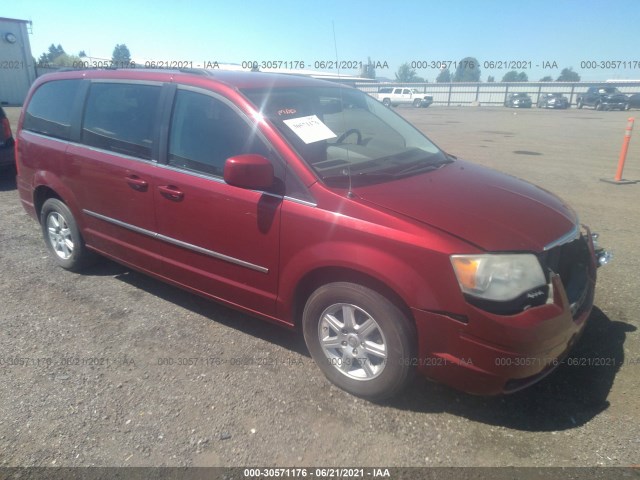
(17, 70)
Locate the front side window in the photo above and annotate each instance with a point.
(120, 117)
(49, 111)
(205, 131)
(345, 135)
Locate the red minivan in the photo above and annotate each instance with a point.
(311, 205)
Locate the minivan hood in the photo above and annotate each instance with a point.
(489, 209)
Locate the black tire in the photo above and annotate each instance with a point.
(364, 373)
(597, 106)
(386, 102)
(62, 237)
(417, 102)
(579, 104)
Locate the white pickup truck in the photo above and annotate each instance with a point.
(394, 96)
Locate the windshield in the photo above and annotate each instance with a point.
(346, 135)
(609, 90)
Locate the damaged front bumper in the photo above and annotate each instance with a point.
(603, 256)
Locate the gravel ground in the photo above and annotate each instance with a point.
(112, 368)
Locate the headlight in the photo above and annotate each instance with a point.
(498, 277)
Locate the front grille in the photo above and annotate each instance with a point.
(571, 262)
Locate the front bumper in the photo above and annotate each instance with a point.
(613, 104)
(488, 354)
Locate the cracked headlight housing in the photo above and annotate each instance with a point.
(501, 283)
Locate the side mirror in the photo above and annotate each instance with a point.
(249, 171)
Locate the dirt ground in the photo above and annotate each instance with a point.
(112, 368)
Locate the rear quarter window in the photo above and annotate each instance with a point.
(49, 110)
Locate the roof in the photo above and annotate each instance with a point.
(233, 79)
(17, 20)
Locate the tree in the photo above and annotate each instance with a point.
(53, 53)
(407, 74)
(568, 75)
(66, 60)
(468, 70)
(121, 55)
(491, 79)
(82, 54)
(367, 70)
(444, 76)
(546, 79)
(514, 76)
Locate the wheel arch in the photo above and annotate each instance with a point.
(41, 194)
(47, 185)
(314, 279)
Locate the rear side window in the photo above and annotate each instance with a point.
(120, 117)
(49, 111)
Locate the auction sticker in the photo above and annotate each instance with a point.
(310, 129)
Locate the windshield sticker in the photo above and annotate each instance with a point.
(310, 129)
(287, 111)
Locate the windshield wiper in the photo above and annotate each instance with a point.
(420, 167)
(342, 180)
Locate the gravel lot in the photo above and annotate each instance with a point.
(111, 368)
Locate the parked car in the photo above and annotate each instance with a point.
(6, 141)
(394, 96)
(311, 205)
(633, 101)
(602, 98)
(552, 100)
(518, 100)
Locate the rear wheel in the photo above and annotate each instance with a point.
(360, 340)
(579, 104)
(597, 106)
(386, 102)
(62, 236)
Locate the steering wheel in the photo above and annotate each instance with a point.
(344, 136)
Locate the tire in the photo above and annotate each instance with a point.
(386, 102)
(597, 106)
(337, 313)
(62, 237)
(627, 106)
(579, 104)
(417, 102)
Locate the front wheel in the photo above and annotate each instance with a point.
(360, 340)
(386, 102)
(62, 236)
(417, 102)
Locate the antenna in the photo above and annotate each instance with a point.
(335, 46)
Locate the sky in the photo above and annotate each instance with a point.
(542, 36)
